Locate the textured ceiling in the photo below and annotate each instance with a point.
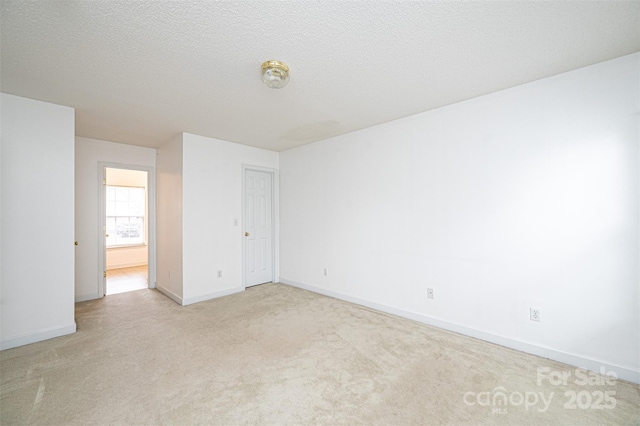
(141, 72)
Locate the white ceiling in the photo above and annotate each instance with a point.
(142, 72)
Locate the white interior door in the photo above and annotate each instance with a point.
(258, 224)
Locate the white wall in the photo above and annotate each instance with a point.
(522, 198)
(124, 257)
(37, 221)
(212, 200)
(126, 177)
(199, 196)
(169, 219)
(89, 152)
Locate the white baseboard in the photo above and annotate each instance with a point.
(171, 295)
(37, 336)
(192, 300)
(125, 265)
(624, 373)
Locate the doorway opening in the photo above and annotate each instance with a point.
(126, 226)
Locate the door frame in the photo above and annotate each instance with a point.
(102, 221)
(275, 229)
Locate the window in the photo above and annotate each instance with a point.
(125, 216)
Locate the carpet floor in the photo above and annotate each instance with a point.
(274, 355)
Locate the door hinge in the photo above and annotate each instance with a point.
(104, 274)
(104, 181)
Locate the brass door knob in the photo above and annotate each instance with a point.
(246, 234)
(76, 243)
(107, 235)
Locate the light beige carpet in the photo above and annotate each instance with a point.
(279, 355)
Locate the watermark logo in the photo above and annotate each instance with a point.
(597, 399)
(593, 396)
(578, 377)
(499, 400)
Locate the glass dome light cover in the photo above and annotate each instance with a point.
(275, 74)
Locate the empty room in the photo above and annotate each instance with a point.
(318, 212)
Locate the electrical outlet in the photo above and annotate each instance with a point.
(429, 293)
(534, 314)
(219, 274)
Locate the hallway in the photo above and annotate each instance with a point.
(127, 279)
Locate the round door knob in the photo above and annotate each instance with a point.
(246, 234)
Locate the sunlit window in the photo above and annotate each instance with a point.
(125, 216)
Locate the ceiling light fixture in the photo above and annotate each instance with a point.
(275, 74)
